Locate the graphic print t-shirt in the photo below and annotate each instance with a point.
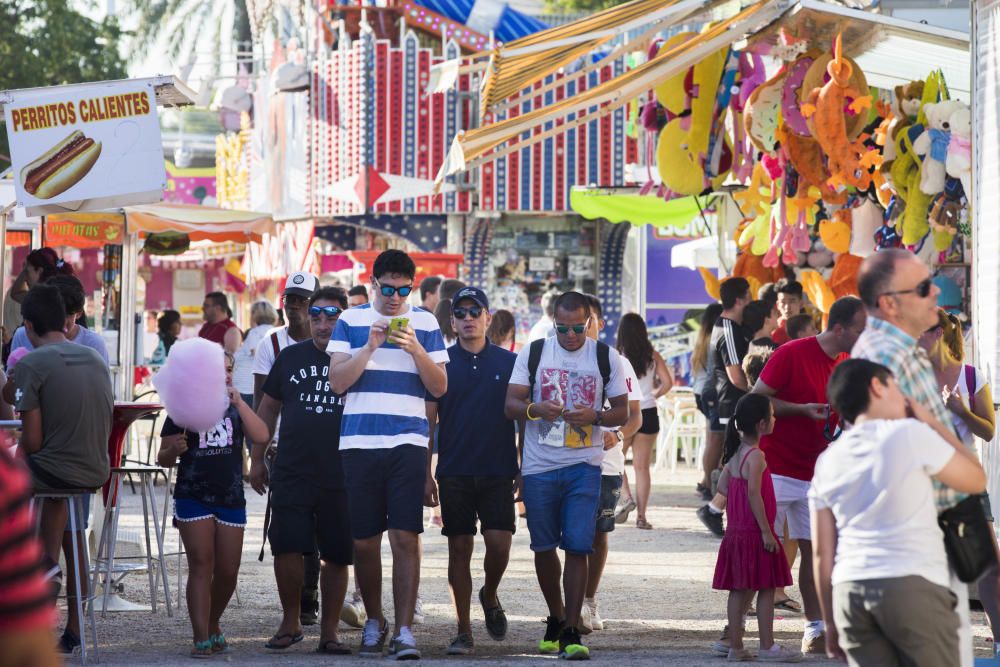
(211, 470)
(309, 434)
(570, 378)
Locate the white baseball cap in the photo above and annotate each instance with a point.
(301, 283)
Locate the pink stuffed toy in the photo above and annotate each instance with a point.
(192, 384)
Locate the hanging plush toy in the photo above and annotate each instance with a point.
(932, 145)
(828, 111)
(959, 161)
(763, 113)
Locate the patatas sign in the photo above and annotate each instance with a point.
(79, 147)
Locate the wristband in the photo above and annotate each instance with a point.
(527, 413)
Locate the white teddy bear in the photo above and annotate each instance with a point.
(959, 161)
(933, 145)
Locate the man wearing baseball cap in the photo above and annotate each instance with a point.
(477, 464)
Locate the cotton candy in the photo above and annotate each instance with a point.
(192, 384)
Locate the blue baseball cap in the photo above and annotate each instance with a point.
(474, 293)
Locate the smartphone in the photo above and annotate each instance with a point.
(398, 324)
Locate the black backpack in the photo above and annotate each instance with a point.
(535, 357)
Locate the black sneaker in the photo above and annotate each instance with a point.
(309, 609)
(496, 619)
(68, 643)
(703, 492)
(711, 520)
(550, 642)
(571, 647)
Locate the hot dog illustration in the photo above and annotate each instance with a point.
(61, 167)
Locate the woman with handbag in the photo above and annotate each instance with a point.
(876, 543)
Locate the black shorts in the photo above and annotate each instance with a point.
(650, 421)
(464, 499)
(611, 491)
(306, 517)
(386, 489)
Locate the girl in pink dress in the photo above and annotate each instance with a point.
(750, 558)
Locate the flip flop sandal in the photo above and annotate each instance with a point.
(295, 639)
(202, 650)
(219, 644)
(333, 647)
(789, 605)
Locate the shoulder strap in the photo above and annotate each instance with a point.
(274, 343)
(534, 358)
(604, 365)
(745, 457)
(970, 383)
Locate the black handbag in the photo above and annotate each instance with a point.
(968, 539)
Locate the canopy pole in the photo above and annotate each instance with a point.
(127, 311)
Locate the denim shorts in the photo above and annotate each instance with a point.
(187, 510)
(561, 506)
(611, 491)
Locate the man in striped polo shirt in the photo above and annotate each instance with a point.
(386, 356)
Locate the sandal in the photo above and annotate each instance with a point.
(332, 647)
(202, 650)
(642, 524)
(789, 605)
(271, 644)
(219, 643)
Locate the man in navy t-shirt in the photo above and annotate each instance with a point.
(308, 501)
(477, 463)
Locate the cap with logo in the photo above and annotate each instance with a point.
(301, 283)
(474, 293)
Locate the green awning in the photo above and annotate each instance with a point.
(635, 208)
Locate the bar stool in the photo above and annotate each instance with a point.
(123, 417)
(80, 558)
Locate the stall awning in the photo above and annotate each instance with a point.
(606, 97)
(637, 209)
(201, 223)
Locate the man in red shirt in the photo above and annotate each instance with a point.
(219, 326)
(789, 305)
(795, 379)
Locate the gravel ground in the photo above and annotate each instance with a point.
(656, 600)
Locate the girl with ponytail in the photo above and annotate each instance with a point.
(750, 559)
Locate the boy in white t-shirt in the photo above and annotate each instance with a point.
(877, 546)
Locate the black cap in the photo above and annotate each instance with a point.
(474, 293)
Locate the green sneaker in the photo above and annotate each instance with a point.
(550, 642)
(571, 647)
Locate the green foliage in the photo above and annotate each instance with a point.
(588, 6)
(190, 22)
(47, 43)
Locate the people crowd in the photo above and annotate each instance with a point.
(836, 439)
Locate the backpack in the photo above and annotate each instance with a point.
(535, 357)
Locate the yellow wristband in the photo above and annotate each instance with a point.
(527, 413)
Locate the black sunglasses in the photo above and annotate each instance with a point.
(294, 299)
(329, 311)
(577, 328)
(461, 312)
(389, 290)
(922, 289)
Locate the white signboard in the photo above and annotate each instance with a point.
(85, 147)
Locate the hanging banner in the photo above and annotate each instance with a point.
(84, 230)
(85, 147)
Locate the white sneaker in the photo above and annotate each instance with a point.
(353, 611)
(586, 623)
(418, 612)
(596, 622)
(778, 653)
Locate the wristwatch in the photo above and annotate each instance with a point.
(600, 418)
(620, 436)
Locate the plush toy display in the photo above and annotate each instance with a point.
(959, 161)
(932, 145)
(763, 113)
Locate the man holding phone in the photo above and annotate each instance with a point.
(386, 357)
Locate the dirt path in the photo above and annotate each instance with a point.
(656, 599)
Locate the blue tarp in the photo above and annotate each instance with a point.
(511, 25)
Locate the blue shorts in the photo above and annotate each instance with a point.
(611, 491)
(187, 510)
(561, 506)
(86, 515)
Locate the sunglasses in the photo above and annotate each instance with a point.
(461, 312)
(293, 299)
(389, 290)
(329, 311)
(922, 289)
(577, 328)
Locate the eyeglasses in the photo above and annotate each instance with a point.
(461, 312)
(577, 328)
(329, 311)
(389, 290)
(922, 289)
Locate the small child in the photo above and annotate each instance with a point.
(210, 510)
(750, 558)
(801, 326)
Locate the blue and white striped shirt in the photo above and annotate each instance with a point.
(385, 407)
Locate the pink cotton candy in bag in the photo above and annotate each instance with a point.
(192, 384)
